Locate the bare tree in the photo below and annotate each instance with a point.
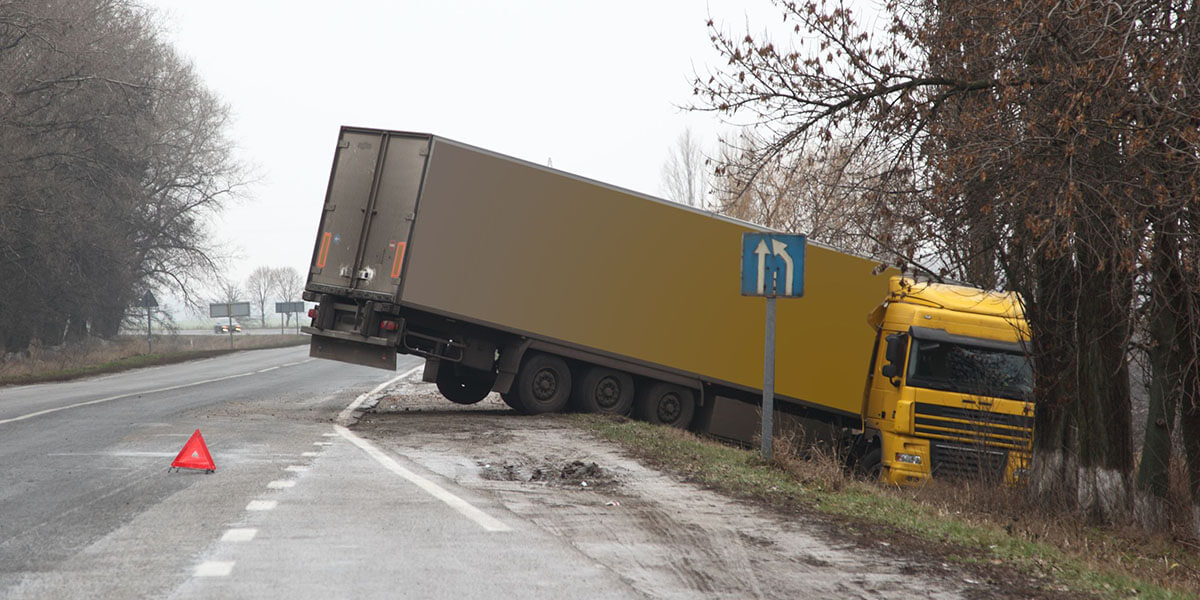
(287, 285)
(260, 285)
(685, 174)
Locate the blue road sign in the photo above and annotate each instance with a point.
(773, 265)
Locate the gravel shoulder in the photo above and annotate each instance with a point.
(664, 537)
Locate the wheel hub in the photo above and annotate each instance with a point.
(669, 408)
(545, 384)
(608, 392)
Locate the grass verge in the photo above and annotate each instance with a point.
(1050, 558)
(110, 357)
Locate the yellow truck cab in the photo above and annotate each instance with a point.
(950, 391)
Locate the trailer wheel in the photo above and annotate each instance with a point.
(603, 390)
(513, 400)
(666, 404)
(543, 385)
(462, 389)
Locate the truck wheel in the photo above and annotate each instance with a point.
(602, 390)
(871, 464)
(462, 389)
(512, 400)
(666, 404)
(543, 384)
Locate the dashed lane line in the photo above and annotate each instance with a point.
(239, 534)
(262, 505)
(214, 568)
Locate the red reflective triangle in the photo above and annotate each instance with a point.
(195, 455)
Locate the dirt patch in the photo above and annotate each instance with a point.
(574, 474)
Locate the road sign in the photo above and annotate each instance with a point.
(289, 307)
(148, 301)
(773, 265)
(229, 309)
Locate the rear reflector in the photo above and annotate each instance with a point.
(389, 325)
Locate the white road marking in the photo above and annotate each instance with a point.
(343, 417)
(322, 443)
(121, 454)
(310, 454)
(262, 505)
(214, 568)
(239, 534)
(137, 393)
(267, 369)
(296, 468)
(329, 434)
(280, 484)
(481, 518)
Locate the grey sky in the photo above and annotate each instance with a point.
(593, 86)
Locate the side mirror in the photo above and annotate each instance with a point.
(897, 347)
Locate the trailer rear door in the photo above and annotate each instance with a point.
(369, 209)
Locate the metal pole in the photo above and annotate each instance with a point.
(229, 312)
(768, 406)
(149, 343)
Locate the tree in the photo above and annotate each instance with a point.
(112, 152)
(260, 286)
(1038, 145)
(685, 174)
(288, 285)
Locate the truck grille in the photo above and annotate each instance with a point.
(968, 462)
(969, 426)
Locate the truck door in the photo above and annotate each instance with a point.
(369, 210)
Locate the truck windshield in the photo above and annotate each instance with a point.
(970, 370)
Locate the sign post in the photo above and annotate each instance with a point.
(229, 310)
(289, 307)
(149, 303)
(772, 266)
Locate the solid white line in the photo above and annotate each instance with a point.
(262, 505)
(266, 369)
(343, 417)
(280, 484)
(214, 568)
(240, 534)
(137, 393)
(483, 519)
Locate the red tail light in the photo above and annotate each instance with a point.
(312, 313)
(389, 325)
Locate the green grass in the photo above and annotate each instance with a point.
(964, 538)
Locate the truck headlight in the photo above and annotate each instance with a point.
(912, 459)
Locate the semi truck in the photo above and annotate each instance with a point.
(560, 292)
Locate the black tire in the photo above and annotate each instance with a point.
(513, 400)
(871, 465)
(666, 404)
(462, 389)
(543, 385)
(603, 390)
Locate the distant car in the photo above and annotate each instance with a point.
(223, 327)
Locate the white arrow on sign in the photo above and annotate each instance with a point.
(781, 252)
(762, 251)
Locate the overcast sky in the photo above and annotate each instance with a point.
(595, 87)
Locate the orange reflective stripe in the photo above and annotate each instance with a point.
(398, 262)
(324, 253)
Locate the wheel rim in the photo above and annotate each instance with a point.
(545, 384)
(608, 392)
(669, 407)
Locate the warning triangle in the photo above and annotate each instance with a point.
(195, 455)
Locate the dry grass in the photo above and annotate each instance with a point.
(105, 356)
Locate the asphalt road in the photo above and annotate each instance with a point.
(88, 506)
(298, 507)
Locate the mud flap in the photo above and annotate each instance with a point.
(355, 353)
